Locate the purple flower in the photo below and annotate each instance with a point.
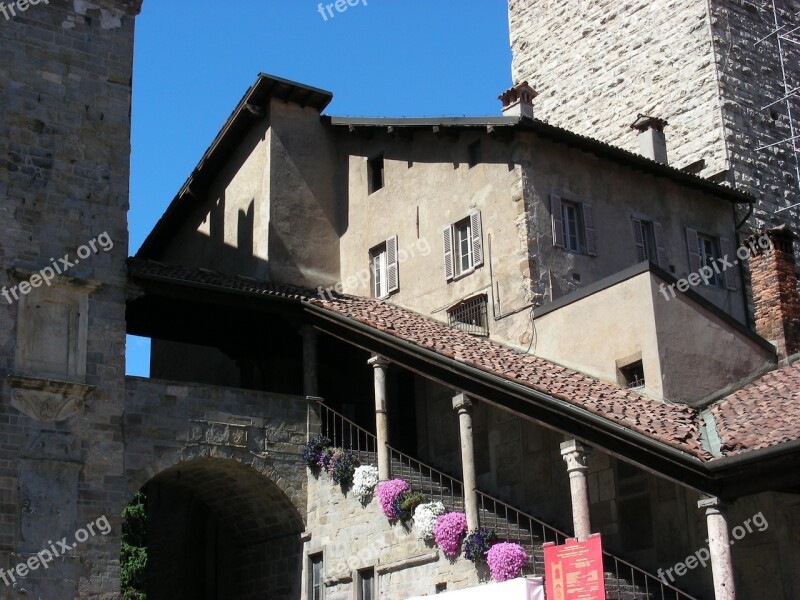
(389, 494)
(448, 531)
(506, 560)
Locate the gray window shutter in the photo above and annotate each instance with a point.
(638, 239)
(661, 246)
(691, 246)
(477, 237)
(726, 246)
(589, 235)
(447, 236)
(392, 279)
(558, 221)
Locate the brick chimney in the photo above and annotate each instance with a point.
(652, 142)
(775, 297)
(518, 100)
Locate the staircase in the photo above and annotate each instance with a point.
(623, 581)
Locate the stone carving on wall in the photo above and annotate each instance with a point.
(45, 400)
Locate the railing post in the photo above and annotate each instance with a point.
(576, 455)
(462, 404)
(310, 383)
(380, 365)
(719, 546)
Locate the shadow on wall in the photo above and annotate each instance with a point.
(217, 529)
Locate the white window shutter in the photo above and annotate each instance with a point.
(588, 229)
(447, 237)
(661, 246)
(638, 239)
(477, 238)
(392, 275)
(691, 246)
(726, 246)
(558, 221)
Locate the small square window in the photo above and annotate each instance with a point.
(471, 315)
(474, 151)
(366, 584)
(633, 375)
(375, 173)
(315, 584)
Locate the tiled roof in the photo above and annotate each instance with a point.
(672, 424)
(763, 413)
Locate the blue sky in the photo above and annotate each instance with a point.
(194, 59)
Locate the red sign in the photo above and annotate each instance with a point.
(574, 571)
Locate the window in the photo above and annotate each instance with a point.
(573, 226)
(704, 253)
(633, 375)
(366, 584)
(470, 316)
(315, 585)
(474, 151)
(384, 268)
(463, 246)
(375, 173)
(648, 237)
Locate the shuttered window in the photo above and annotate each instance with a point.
(648, 239)
(705, 251)
(384, 268)
(573, 225)
(463, 246)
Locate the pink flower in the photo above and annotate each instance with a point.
(448, 531)
(506, 560)
(388, 493)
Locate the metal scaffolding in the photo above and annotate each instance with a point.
(787, 39)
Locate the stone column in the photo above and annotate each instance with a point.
(380, 365)
(463, 407)
(576, 455)
(719, 547)
(310, 383)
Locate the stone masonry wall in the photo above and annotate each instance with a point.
(598, 63)
(65, 98)
(354, 537)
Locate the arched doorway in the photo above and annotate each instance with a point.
(218, 529)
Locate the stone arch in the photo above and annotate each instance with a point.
(220, 527)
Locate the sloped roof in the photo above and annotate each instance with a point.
(759, 422)
(763, 413)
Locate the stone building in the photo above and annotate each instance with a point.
(712, 70)
(504, 313)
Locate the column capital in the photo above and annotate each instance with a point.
(378, 362)
(712, 505)
(576, 455)
(462, 402)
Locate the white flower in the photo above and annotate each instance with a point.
(364, 481)
(425, 517)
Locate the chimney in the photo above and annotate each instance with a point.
(518, 100)
(652, 142)
(775, 298)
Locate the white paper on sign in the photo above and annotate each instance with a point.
(515, 589)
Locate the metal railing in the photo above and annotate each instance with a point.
(624, 581)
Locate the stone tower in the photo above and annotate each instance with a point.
(712, 70)
(65, 102)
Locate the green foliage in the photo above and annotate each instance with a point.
(133, 555)
(408, 502)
